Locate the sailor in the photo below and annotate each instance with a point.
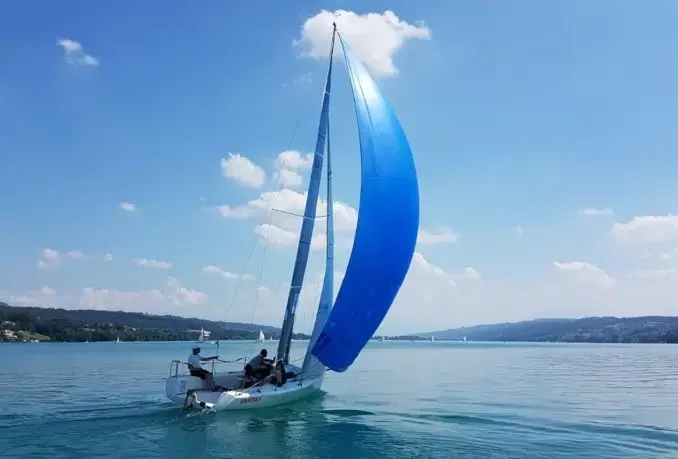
(195, 366)
(260, 365)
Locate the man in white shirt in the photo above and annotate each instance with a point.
(195, 366)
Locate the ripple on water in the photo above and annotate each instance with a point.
(488, 401)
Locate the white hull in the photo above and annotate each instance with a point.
(261, 396)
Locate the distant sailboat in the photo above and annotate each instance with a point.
(378, 264)
(201, 336)
(117, 340)
(261, 336)
(433, 338)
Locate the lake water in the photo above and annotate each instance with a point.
(399, 400)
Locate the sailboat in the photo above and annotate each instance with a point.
(377, 266)
(261, 336)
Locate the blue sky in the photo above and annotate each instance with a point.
(521, 115)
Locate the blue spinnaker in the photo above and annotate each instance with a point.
(388, 223)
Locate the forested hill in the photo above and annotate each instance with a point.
(647, 329)
(98, 325)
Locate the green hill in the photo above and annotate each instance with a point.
(96, 325)
(646, 329)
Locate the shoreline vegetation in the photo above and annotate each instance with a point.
(26, 324)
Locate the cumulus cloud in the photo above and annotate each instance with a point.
(50, 259)
(242, 170)
(75, 54)
(215, 270)
(160, 301)
(647, 229)
(374, 37)
(44, 296)
(584, 272)
(285, 208)
(288, 165)
(128, 207)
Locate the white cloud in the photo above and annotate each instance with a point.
(291, 205)
(282, 229)
(108, 257)
(159, 301)
(45, 290)
(292, 159)
(285, 239)
(374, 37)
(288, 164)
(150, 263)
(181, 295)
(442, 235)
(128, 207)
(215, 270)
(50, 259)
(44, 296)
(646, 230)
(75, 255)
(585, 272)
(242, 170)
(75, 54)
(593, 212)
(284, 222)
(519, 231)
(421, 266)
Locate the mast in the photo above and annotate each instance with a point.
(308, 223)
(312, 367)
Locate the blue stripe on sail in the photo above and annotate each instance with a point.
(388, 223)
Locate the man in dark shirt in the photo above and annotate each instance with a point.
(260, 365)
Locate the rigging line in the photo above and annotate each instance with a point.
(268, 209)
(261, 273)
(270, 206)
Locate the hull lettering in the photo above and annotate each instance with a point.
(250, 400)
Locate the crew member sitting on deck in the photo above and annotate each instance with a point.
(260, 365)
(279, 376)
(195, 366)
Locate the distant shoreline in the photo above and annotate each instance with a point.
(65, 325)
(87, 325)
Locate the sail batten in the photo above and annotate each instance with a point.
(386, 233)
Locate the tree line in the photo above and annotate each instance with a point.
(91, 325)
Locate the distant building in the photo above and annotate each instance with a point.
(9, 335)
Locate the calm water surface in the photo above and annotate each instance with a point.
(399, 400)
